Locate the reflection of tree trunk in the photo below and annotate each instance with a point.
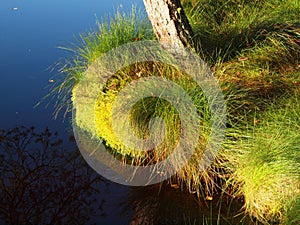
(165, 205)
(145, 211)
(170, 23)
(162, 205)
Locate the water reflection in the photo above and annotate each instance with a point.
(166, 204)
(45, 181)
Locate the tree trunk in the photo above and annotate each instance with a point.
(174, 32)
(170, 24)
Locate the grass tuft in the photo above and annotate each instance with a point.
(110, 32)
(265, 160)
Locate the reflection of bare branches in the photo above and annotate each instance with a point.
(42, 182)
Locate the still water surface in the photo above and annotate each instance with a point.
(30, 32)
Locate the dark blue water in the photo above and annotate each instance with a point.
(30, 32)
(29, 37)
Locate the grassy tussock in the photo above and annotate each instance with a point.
(149, 108)
(265, 161)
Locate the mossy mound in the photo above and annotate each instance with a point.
(141, 115)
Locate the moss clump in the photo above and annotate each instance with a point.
(141, 115)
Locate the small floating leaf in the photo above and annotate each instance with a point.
(175, 186)
(209, 198)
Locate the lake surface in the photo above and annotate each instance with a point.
(30, 32)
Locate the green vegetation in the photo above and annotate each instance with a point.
(253, 47)
(265, 160)
(109, 33)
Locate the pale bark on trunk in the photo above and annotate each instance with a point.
(170, 24)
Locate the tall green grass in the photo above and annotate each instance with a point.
(224, 28)
(265, 159)
(110, 31)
